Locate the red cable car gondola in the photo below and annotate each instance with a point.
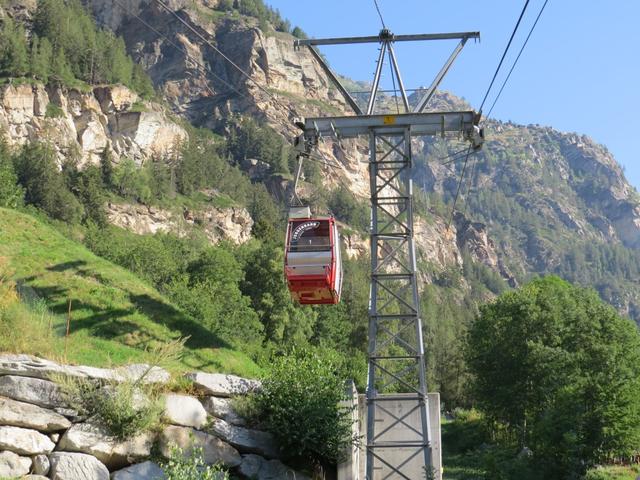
(313, 265)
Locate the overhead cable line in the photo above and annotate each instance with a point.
(513, 34)
(455, 199)
(454, 154)
(504, 83)
(518, 57)
(379, 13)
(223, 55)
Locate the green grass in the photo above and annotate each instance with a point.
(614, 473)
(115, 316)
(461, 457)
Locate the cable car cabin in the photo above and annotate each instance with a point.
(313, 266)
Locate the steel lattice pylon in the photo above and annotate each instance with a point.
(396, 352)
(398, 431)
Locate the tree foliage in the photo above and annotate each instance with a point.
(38, 172)
(11, 194)
(66, 46)
(300, 404)
(560, 371)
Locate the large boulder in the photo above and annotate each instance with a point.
(31, 390)
(184, 410)
(247, 440)
(140, 471)
(24, 441)
(221, 385)
(258, 468)
(76, 466)
(93, 439)
(29, 366)
(20, 414)
(214, 450)
(222, 408)
(13, 465)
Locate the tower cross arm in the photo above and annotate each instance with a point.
(428, 123)
(391, 37)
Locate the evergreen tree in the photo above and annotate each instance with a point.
(14, 58)
(41, 58)
(90, 191)
(106, 168)
(60, 70)
(11, 194)
(44, 185)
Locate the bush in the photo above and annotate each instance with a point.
(182, 466)
(300, 405)
(53, 111)
(125, 409)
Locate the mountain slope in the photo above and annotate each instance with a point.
(115, 316)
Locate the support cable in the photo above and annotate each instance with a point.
(513, 34)
(517, 58)
(455, 199)
(379, 13)
(504, 83)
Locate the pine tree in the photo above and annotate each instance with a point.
(41, 58)
(106, 168)
(14, 59)
(61, 70)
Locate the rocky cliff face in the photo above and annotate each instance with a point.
(87, 123)
(232, 224)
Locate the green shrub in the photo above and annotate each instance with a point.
(618, 472)
(183, 466)
(53, 111)
(300, 404)
(125, 408)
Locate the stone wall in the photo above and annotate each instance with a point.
(41, 437)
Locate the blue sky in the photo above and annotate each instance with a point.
(580, 71)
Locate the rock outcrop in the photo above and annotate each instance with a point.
(184, 410)
(93, 439)
(26, 415)
(232, 223)
(83, 124)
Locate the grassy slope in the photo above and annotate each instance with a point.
(114, 314)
